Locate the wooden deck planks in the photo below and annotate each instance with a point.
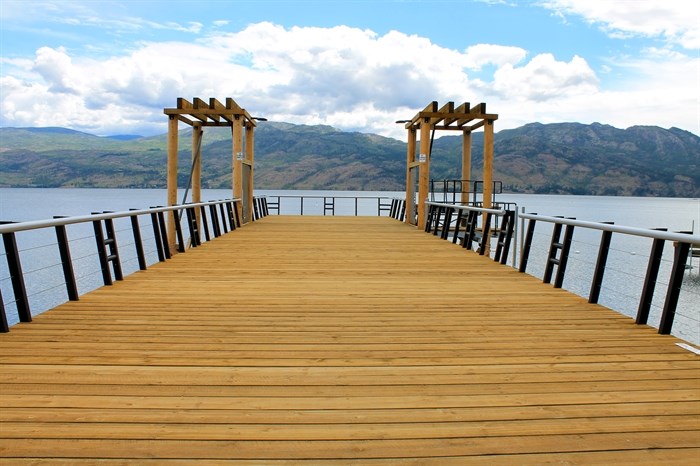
(339, 339)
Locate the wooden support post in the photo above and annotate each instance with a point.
(488, 163)
(197, 166)
(250, 155)
(424, 170)
(466, 163)
(410, 159)
(172, 178)
(237, 162)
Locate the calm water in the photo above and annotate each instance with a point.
(622, 285)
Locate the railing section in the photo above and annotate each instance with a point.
(335, 205)
(461, 224)
(203, 221)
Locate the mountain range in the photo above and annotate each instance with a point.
(560, 158)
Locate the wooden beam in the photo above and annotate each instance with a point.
(249, 159)
(197, 134)
(464, 108)
(466, 162)
(237, 160)
(410, 163)
(201, 105)
(216, 105)
(446, 109)
(488, 163)
(183, 104)
(424, 170)
(431, 107)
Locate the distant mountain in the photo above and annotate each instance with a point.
(566, 158)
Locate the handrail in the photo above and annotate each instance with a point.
(559, 254)
(468, 208)
(37, 224)
(329, 203)
(224, 215)
(644, 232)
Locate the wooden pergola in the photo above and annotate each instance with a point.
(464, 118)
(199, 114)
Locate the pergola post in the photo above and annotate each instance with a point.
(197, 134)
(249, 156)
(424, 168)
(466, 164)
(410, 183)
(488, 163)
(172, 177)
(237, 162)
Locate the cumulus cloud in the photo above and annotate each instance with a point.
(351, 78)
(675, 21)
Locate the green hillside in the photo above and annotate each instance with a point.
(562, 158)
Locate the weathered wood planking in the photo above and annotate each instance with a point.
(342, 340)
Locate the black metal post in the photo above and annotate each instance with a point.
(178, 231)
(111, 243)
(526, 245)
(102, 252)
(157, 237)
(657, 250)
(505, 236)
(138, 242)
(214, 220)
(446, 224)
(4, 328)
(224, 223)
(455, 236)
(236, 217)
(603, 250)
(164, 234)
(436, 217)
(205, 222)
(15, 268)
(564, 257)
(554, 246)
(486, 227)
(680, 257)
(66, 262)
(192, 226)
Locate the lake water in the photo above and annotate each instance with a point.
(621, 288)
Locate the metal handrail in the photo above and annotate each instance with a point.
(38, 224)
(468, 208)
(644, 232)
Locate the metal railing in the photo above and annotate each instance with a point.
(466, 228)
(559, 250)
(330, 205)
(204, 221)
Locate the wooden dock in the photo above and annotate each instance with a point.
(342, 340)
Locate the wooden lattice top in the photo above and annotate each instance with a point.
(450, 118)
(213, 113)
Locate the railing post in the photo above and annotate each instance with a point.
(437, 214)
(504, 237)
(455, 236)
(15, 268)
(552, 260)
(256, 209)
(447, 222)
(164, 235)
(564, 257)
(657, 250)
(178, 231)
(214, 220)
(680, 256)
(527, 243)
(192, 226)
(485, 231)
(138, 242)
(102, 252)
(205, 222)
(66, 262)
(597, 283)
(157, 237)
(4, 328)
(236, 218)
(403, 210)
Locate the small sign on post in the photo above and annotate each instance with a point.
(422, 158)
(239, 156)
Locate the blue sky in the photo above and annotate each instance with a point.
(110, 67)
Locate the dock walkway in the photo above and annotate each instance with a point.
(332, 340)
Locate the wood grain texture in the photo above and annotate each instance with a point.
(342, 340)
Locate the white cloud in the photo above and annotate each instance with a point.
(350, 78)
(677, 22)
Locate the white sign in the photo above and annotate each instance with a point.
(422, 158)
(239, 156)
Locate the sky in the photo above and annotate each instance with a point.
(111, 67)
